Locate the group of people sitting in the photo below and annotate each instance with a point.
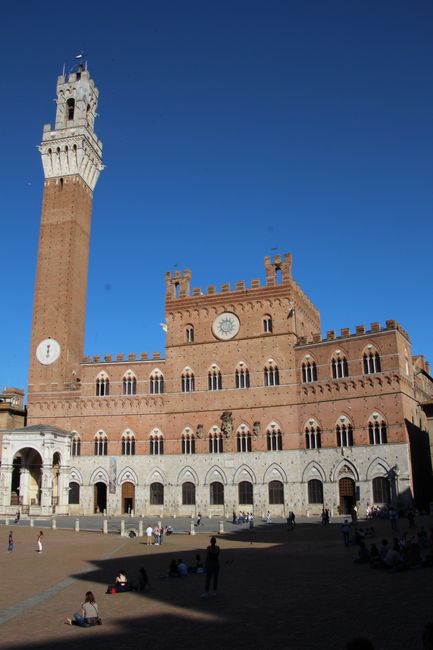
(178, 568)
(402, 553)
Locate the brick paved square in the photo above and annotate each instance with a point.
(277, 589)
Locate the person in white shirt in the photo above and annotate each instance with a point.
(149, 532)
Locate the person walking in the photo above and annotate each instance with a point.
(10, 543)
(88, 615)
(39, 541)
(212, 567)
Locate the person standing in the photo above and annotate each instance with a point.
(346, 530)
(10, 543)
(149, 532)
(39, 541)
(212, 567)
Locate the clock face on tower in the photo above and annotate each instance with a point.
(48, 351)
(226, 326)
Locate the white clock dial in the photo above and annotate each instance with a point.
(226, 326)
(48, 351)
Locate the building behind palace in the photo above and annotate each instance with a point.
(251, 409)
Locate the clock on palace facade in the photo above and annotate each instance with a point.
(226, 326)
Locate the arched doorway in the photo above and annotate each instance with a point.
(128, 497)
(346, 488)
(100, 497)
(26, 478)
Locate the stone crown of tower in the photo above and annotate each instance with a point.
(72, 148)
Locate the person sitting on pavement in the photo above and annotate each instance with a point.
(363, 554)
(182, 568)
(88, 615)
(120, 583)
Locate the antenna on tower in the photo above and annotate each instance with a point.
(64, 66)
(82, 65)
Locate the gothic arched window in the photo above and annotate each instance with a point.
(271, 374)
(339, 366)
(102, 385)
(188, 494)
(243, 440)
(156, 383)
(156, 443)
(188, 381)
(188, 442)
(276, 493)
(274, 439)
(216, 441)
(189, 333)
(101, 444)
(267, 324)
(344, 433)
(377, 430)
(315, 491)
(309, 370)
(216, 491)
(312, 435)
(128, 444)
(129, 384)
(76, 445)
(371, 361)
(70, 108)
(214, 379)
(242, 376)
(156, 494)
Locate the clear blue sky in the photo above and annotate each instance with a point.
(230, 127)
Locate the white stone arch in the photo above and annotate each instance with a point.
(377, 415)
(371, 346)
(156, 372)
(244, 473)
(129, 374)
(308, 358)
(215, 474)
(273, 426)
(313, 471)
(312, 422)
(214, 430)
(188, 474)
(75, 476)
(187, 370)
(156, 475)
(345, 468)
(274, 473)
(244, 427)
(156, 432)
(378, 467)
(344, 418)
(99, 475)
(188, 430)
(337, 352)
(127, 432)
(127, 475)
(102, 375)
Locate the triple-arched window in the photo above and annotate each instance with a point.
(156, 382)
(101, 444)
(188, 381)
(102, 385)
(214, 378)
(377, 430)
(344, 433)
(188, 442)
(371, 360)
(312, 435)
(243, 440)
(271, 373)
(274, 438)
(242, 376)
(216, 443)
(156, 443)
(129, 384)
(128, 443)
(339, 365)
(309, 370)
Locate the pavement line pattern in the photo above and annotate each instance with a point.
(19, 608)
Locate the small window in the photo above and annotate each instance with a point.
(267, 324)
(189, 334)
(76, 445)
(70, 108)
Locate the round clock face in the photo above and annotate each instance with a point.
(226, 326)
(48, 351)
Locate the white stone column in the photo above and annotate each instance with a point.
(5, 486)
(47, 490)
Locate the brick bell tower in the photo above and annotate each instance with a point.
(71, 159)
